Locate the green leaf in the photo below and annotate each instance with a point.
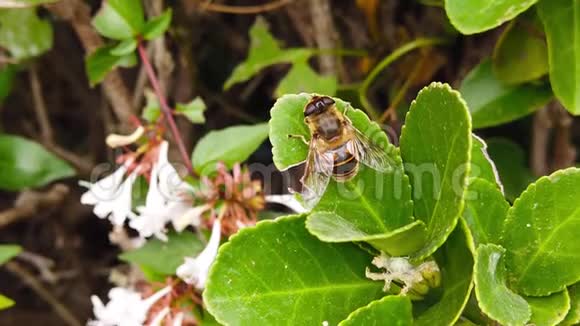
(436, 140)
(541, 235)
(549, 310)
(7, 252)
(492, 103)
(445, 305)
(163, 258)
(561, 20)
(301, 78)
(330, 227)
(7, 74)
(264, 51)
(5, 302)
(477, 16)
(277, 273)
(495, 299)
(124, 48)
(573, 316)
(26, 164)
(370, 206)
(23, 34)
(395, 309)
(482, 166)
(229, 145)
(485, 212)
(152, 110)
(23, 3)
(101, 62)
(157, 26)
(120, 19)
(511, 164)
(520, 55)
(193, 110)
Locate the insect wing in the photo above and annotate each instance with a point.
(369, 153)
(316, 175)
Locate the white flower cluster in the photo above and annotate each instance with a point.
(111, 198)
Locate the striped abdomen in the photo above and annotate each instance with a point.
(345, 164)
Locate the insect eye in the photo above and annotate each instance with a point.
(320, 105)
(310, 109)
(327, 100)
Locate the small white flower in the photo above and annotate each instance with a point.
(287, 200)
(184, 215)
(125, 307)
(153, 216)
(194, 270)
(114, 140)
(159, 317)
(111, 196)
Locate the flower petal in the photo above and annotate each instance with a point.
(195, 270)
(114, 140)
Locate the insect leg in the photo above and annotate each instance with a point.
(301, 137)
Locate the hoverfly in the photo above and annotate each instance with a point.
(336, 149)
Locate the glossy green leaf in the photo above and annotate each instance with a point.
(5, 302)
(26, 164)
(101, 62)
(157, 26)
(7, 252)
(493, 103)
(124, 48)
(369, 206)
(229, 145)
(445, 305)
(163, 258)
(573, 315)
(436, 147)
(277, 273)
(23, 3)
(120, 19)
(549, 310)
(482, 166)
(485, 211)
(495, 299)
(541, 235)
(152, 110)
(511, 163)
(302, 78)
(23, 34)
(264, 51)
(330, 227)
(193, 110)
(521, 55)
(476, 16)
(561, 20)
(396, 310)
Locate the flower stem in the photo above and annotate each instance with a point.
(165, 108)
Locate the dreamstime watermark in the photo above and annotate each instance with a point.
(428, 180)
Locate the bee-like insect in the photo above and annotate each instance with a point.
(336, 149)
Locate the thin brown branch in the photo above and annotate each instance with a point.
(46, 133)
(167, 112)
(564, 150)
(31, 202)
(30, 280)
(39, 105)
(325, 34)
(540, 142)
(246, 10)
